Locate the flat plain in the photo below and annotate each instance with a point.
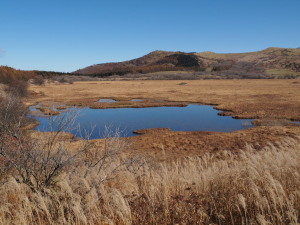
(271, 102)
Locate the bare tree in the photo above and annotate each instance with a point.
(38, 161)
(31, 160)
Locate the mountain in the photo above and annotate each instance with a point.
(154, 61)
(268, 62)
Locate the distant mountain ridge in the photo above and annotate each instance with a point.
(270, 61)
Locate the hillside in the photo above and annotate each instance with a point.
(268, 63)
(152, 62)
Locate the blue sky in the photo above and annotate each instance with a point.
(65, 35)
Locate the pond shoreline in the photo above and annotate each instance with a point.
(177, 117)
(48, 110)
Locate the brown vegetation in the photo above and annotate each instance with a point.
(271, 99)
(52, 178)
(165, 145)
(15, 80)
(268, 63)
(245, 188)
(126, 104)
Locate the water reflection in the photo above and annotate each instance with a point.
(190, 118)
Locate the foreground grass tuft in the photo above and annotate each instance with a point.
(245, 188)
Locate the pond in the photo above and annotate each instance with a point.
(190, 118)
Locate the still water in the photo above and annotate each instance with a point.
(190, 118)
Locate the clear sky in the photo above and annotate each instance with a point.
(65, 35)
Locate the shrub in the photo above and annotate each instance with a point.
(38, 80)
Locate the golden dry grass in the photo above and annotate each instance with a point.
(164, 145)
(241, 98)
(264, 99)
(246, 188)
(246, 184)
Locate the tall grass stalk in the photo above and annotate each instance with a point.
(245, 188)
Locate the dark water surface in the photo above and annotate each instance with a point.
(190, 118)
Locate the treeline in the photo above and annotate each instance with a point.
(49, 74)
(147, 69)
(181, 60)
(143, 70)
(8, 75)
(15, 80)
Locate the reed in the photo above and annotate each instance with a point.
(245, 188)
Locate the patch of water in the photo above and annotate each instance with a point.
(106, 100)
(137, 100)
(33, 107)
(296, 122)
(190, 118)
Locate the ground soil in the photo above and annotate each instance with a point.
(266, 100)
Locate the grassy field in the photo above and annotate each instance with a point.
(160, 177)
(271, 101)
(249, 188)
(277, 99)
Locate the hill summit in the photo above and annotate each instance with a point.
(271, 61)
